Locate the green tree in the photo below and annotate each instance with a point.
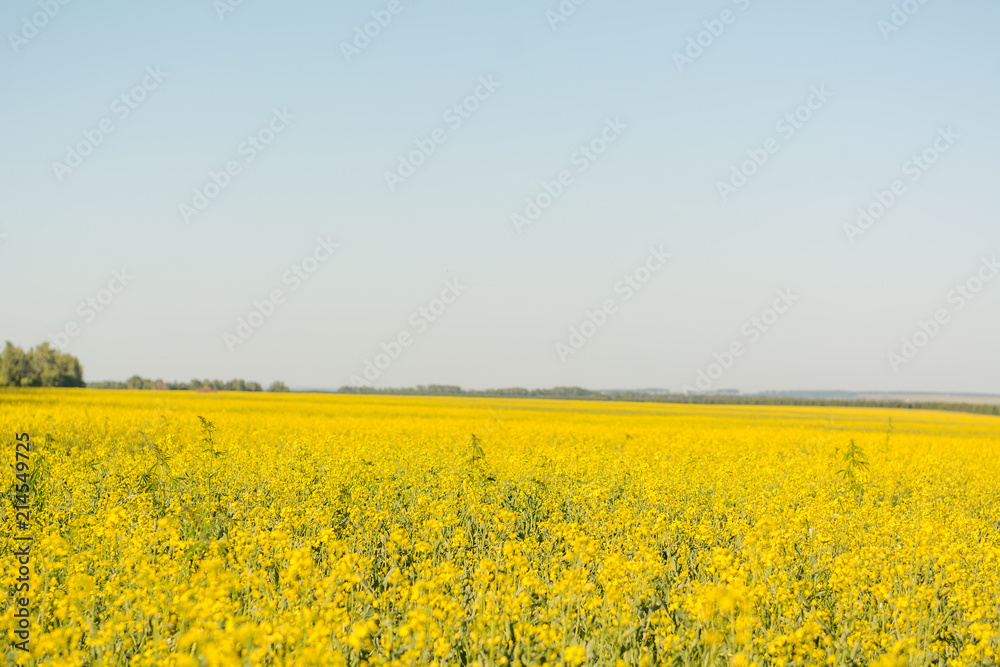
(278, 385)
(41, 366)
(13, 366)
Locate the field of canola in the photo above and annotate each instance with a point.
(327, 530)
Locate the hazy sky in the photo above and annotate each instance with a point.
(216, 155)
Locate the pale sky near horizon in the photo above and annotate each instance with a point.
(116, 114)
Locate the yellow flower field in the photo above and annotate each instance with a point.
(327, 530)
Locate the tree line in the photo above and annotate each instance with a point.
(137, 382)
(41, 366)
(45, 366)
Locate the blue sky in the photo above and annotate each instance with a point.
(524, 291)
